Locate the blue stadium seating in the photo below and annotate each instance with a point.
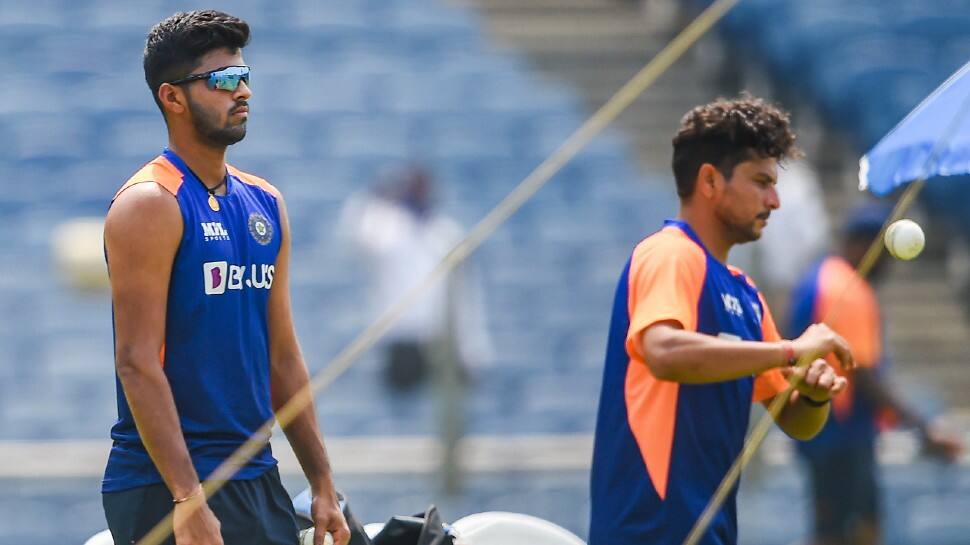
(340, 93)
(865, 62)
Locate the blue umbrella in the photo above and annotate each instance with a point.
(933, 140)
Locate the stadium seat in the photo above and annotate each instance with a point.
(939, 519)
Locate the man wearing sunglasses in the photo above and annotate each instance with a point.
(205, 350)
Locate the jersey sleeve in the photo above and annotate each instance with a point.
(849, 306)
(666, 278)
(159, 171)
(858, 322)
(769, 383)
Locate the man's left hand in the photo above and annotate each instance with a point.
(327, 517)
(818, 382)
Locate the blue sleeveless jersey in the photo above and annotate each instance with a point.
(216, 353)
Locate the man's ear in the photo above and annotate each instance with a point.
(709, 180)
(172, 98)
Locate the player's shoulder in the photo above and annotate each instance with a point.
(255, 181)
(738, 272)
(162, 173)
(144, 207)
(835, 275)
(669, 244)
(836, 268)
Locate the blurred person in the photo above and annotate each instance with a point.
(205, 349)
(400, 238)
(693, 344)
(841, 458)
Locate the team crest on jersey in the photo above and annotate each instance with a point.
(260, 228)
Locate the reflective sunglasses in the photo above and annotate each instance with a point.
(226, 78)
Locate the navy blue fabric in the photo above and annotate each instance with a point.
(216, 337)
(711, 421)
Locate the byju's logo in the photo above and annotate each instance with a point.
(213, 230)
(731, 304)
(220, 276)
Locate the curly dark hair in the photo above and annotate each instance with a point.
(726, 132)
(175, 45)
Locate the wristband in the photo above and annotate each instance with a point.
(189, 497)
(812, 403)
(788, 353)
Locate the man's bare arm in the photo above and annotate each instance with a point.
(807, 409)
(689, 357)
(142, 234)
(695, 358)
(289, 377)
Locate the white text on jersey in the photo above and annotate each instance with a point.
(213, 230)
(731, 304)
(220, 276)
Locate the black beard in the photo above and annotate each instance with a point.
(205, 124)
(739, 233)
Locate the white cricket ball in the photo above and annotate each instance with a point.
(306, 537)
(905, 239)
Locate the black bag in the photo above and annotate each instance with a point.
(420, 529)
(357, 534)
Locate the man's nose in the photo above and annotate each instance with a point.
(774, 201)
(243, 92)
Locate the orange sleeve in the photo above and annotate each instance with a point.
(254, 180)
(160, 171)
(666, 277)
(771, 382)
(652, 416)
(849, 306)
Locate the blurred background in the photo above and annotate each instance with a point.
(349, 96)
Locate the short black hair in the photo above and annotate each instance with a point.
(727, 132)
(175, 45)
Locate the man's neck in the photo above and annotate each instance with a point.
(208, 163)
(709, 231)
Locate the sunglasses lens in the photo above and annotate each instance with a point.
(229, 78)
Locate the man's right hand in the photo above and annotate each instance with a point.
(819, 341)
(195, 524)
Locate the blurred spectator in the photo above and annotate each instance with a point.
(841, 458)
(802, 217)
(401, 238)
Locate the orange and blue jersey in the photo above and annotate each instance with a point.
(661, 448)
(216, 352)
(832, 291)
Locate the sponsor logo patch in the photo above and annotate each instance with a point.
(219, 276)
